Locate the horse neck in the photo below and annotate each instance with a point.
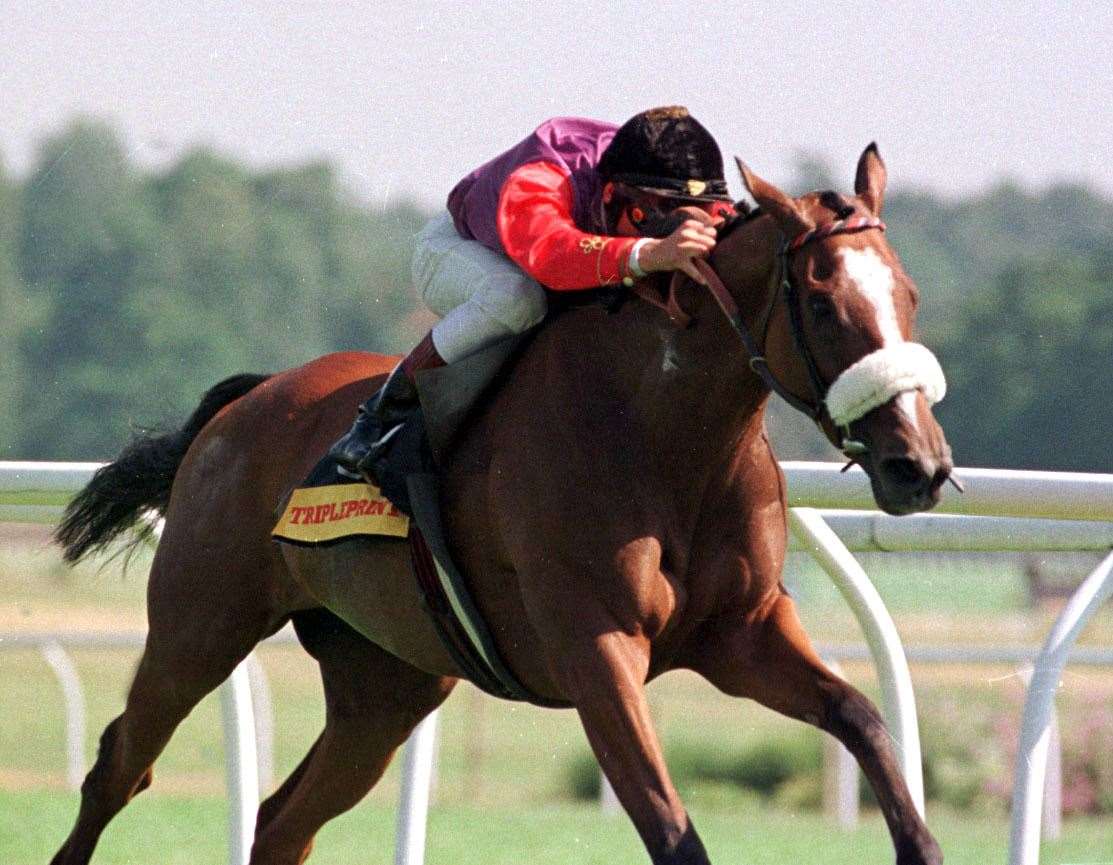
(691, 394)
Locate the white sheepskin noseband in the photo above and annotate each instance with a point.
(880, 376)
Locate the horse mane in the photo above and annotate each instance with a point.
(744, 214)
(833, 201)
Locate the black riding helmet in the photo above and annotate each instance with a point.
(667, 152)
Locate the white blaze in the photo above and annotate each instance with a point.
(906, 402)
(874, 281)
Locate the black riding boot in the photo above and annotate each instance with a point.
(378, 419)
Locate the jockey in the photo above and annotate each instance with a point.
(578, 204)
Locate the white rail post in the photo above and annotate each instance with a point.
(898, 702)
(413, 807)
(1053, 786)
(263, 708)
(241, 763)
(66, 673)
(1035, 728)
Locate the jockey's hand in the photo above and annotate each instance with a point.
(695, 238)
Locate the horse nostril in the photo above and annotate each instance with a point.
(903, 472)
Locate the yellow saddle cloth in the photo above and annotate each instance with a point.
(320, 514)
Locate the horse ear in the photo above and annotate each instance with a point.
(774, 202)
(869, 182)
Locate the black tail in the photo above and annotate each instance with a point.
(139, 479)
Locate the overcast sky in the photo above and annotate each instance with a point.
(407, 97)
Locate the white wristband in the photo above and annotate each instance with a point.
(632, 262)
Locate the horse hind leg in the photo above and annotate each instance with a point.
(373, 701)
(192, 647)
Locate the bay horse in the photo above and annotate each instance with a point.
(616, 506)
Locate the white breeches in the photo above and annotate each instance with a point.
(482, 295)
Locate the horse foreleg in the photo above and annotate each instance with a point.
(373, 701)
(772, 661)
(607, 687)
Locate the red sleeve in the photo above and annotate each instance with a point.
(536, 228)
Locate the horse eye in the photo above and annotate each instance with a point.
(822, 307)
(820, 270)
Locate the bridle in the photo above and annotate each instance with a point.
(789, 291)
(871, 381)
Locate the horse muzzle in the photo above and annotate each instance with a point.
(888, 396)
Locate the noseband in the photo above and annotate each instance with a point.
(913, 366)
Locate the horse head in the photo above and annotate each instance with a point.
(833, 332)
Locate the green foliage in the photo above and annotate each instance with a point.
(763, 766)
(16, 318)
(1017, 292)
(143, 290)
(1034, 355)
(89, 240)
(963, 755)
(968, 762)
(969, 751)
(582, 777)
(786, 766)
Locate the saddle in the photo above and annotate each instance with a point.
(332, 506)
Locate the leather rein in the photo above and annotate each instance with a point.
(787, 289)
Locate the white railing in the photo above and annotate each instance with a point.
(36, 492)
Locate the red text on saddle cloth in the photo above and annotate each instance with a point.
(317, 514)
(333, 511)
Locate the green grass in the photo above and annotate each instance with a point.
(171, 830)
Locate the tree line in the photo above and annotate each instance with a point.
(126, 293)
